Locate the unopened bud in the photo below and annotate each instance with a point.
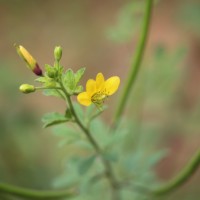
(58, 53)
(30, 61)
(26, 88)
(51, 74)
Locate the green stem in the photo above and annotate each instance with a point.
(47, 88)
(85, 130)
(33, 194)
(135, 65)
(181, 178)
(108, 169)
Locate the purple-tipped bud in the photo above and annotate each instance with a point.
(37, 70)
(30, 61)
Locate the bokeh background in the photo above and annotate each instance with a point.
(101, 36)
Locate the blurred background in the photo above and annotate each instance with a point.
(101, 36)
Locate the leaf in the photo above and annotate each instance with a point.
(47, 67)
(79, 74)
(42, 79)
(97, 113)
(83, 144)
(63, 130)
(69, 140)
(79, 111)
(51, 72)
(54, 118)
(47, 81)
(86, 164)
(99, 131)
(116, 138)
(110, 156)
(50, 84)
(78, 89)
(69, 81)
(53, 92)
(90, 110)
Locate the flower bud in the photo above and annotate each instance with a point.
(26, 88)
(58, 53)
(30, 61)
(51, 74)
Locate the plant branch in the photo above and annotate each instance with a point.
(34, 194)
(181, 178)
(135, 64)
(108, 169)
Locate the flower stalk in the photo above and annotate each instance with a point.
(35, 194)
(135, 64)
(99, 152)
(180, 178)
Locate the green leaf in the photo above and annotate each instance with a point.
(53, 92)
(50, 84)
(116, 138)
(67, 134)
(83, 144)
(97, 113)
(63, 130)
(42, 79)
(90, 110)
(47, 81)
(48, 67)
(69, 81)
(54, 118)
(110, 156)
(78, 89)
(79, 74)
(86, 164)
(51, 72)
(99, 130)
(79, 111)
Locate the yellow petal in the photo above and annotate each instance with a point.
(84, 99)
(112, 84)
(91, 87)
(26, 56)
(100, 83)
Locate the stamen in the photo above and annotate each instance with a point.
(99, 98)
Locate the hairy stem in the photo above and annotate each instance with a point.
(181, 178)
(33, 194)
(135, 64)
(108, 169)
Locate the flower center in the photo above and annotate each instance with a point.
(98, 98)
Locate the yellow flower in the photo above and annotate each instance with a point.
(98, 90)
(30, 61)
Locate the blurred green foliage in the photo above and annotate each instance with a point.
(189, 15)
(153, 110)
(129, 21)
(21, 159)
